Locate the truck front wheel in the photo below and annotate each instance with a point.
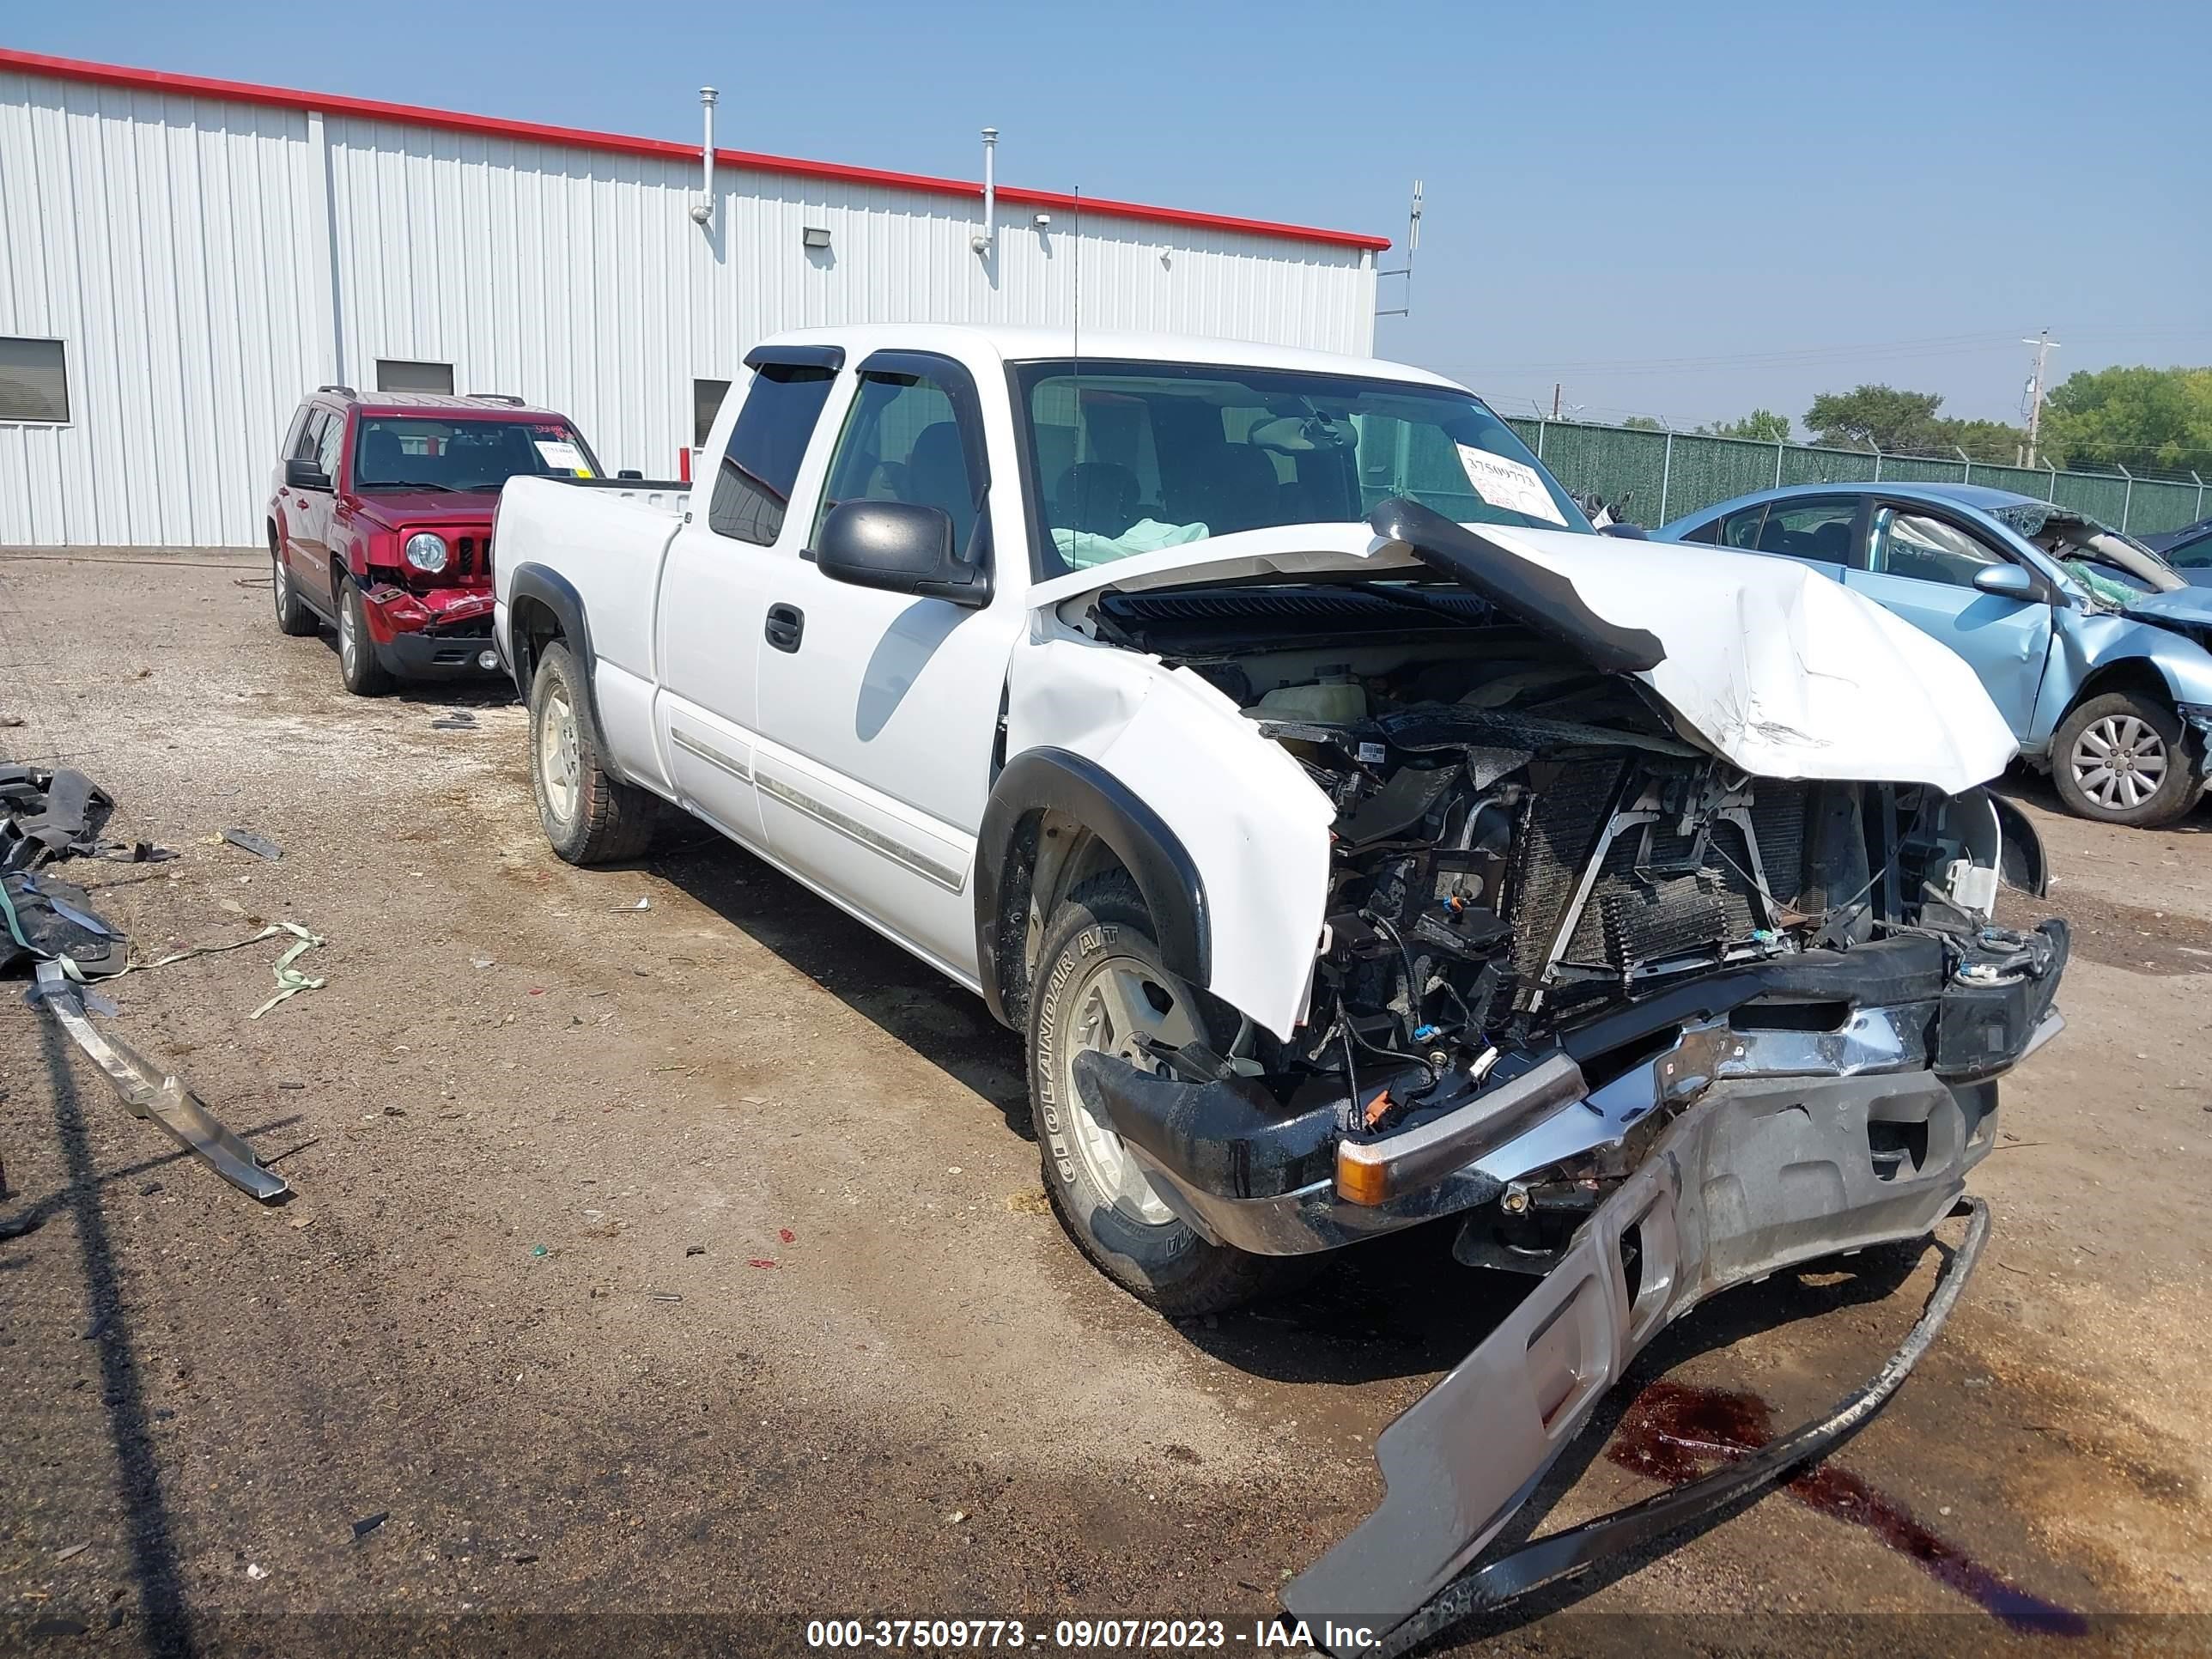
(1100, 983)
(589, 815)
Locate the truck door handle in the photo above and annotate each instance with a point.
(785, 622)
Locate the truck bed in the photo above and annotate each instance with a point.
(604, 537)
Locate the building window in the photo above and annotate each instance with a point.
(706, 403)
(33, 382)
(395, 375)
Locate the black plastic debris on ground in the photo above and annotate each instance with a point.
(455, 720)
(47, 923)
(47, 918)
(47, 815)
(254, 842)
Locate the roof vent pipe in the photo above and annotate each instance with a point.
(702, 211)
(982, 243)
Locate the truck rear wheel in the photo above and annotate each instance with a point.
(1101, 983)
(589, 815)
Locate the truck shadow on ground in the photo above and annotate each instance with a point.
(1397, 1307)
(907, 998)
(155, 1566)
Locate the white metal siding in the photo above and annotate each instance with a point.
(159, 238)
(203, 260)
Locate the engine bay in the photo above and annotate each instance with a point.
(1522, 842)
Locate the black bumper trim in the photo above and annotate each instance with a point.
(420, 656)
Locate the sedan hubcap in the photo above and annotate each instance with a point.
(1121, 1004)
(560, 760)
(2119, 761)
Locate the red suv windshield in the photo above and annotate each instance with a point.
(415, 452)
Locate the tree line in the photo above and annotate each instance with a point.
(2154, 422)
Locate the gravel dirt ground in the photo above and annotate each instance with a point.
(672, 1275)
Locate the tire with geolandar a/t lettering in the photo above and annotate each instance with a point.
(589, 815)
(1101, 983)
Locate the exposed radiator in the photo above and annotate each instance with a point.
(1559, 833)
(1635, 915)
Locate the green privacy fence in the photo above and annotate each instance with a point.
(1665, 475)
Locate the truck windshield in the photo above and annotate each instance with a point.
(411, 452)
(1128, 457)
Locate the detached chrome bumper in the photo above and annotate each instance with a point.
(1506, 1578)
(1757, 1175)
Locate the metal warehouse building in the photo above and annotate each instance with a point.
(180, 258)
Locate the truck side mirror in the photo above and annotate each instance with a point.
(900, 547)
(2006, 581)
(306, 475)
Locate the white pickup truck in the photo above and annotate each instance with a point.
(1355, 836)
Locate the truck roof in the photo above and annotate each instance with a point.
(1008, 344)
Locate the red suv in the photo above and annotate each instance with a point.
(381, 521)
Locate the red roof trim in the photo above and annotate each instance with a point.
(245, 92)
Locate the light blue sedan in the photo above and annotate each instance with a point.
(2090, 645)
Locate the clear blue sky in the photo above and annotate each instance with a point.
(1680, 209)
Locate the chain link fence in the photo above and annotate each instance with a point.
(1664, 475)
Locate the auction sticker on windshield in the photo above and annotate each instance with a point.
(1509, 484)
(566, 457)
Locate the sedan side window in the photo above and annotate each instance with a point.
(752, 489)
(2191, 556)
(1927, 549)
(1742, 529)
(1811, 530)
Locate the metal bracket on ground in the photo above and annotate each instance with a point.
(159, 1096)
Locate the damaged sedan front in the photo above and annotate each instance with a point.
(1654, 940)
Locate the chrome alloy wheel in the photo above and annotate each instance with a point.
(1119, 1004)
(350, 643)
(559, 759)
(2119, 761)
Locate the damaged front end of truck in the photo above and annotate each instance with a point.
(1653, 939)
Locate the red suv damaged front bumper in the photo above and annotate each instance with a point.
(432, 633)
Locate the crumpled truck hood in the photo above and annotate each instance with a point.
(1780, 671)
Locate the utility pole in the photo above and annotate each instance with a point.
(2045, 345)
(1412, 247)
(1555, 400)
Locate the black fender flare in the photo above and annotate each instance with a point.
(558, 594)
(1167, 877)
